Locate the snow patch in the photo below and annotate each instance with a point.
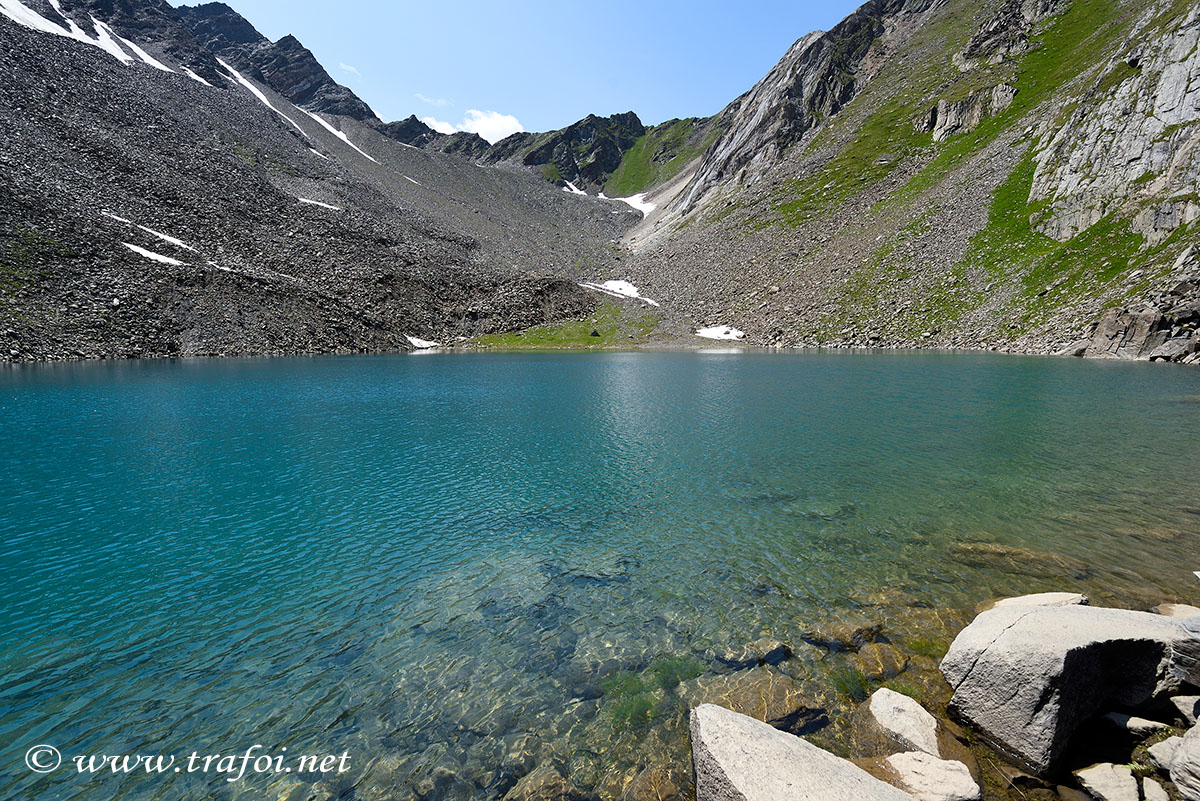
(573, 189)
(619, 289)
(149, 254)
(254, 90)
(334, 131)
(421, 344)
(720, 332)
(418, 183)
(22, 14)
(603, 196)
(142, 54)
(179, 243)
(318, 203)
(639, 202)
(195, 77)
(168, 239)
(319, 154)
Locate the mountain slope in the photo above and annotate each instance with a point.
(151, 213)
(999, 176)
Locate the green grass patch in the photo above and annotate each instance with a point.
(659, 155)
(905, 688)
(23, 259)
(928, 647)
(851, 682)
(613, 323)
(668, 672)
(1078, 39)
(552, 174)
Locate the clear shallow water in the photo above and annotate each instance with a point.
(456, 568)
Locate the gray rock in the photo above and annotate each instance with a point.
(1185, 653)
(1045, 599)
(928, 778)
(1162, 753)
(1153, 791)
(904, 721)
(1031, 676)
(738, 758)
(1176, 610)
(1188, 706)
(1109, 782)
(1185, 765)
(1071, 794)
(1141, 727)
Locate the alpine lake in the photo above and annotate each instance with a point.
(459, 569)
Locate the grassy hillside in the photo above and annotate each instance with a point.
(660, 154)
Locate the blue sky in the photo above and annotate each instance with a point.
(545, 64)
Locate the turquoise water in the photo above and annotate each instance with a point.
(456, 568)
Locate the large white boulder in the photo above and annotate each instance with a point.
(1030, 676)
(738, 758)
(928, 778)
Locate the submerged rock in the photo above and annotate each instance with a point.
(1019, 561)
(880, 661)
(763, 651)
(845, 634)
(1029, 677)
(544, 783)
(739, 758)
(762, 693)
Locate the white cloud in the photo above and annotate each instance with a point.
(438, 125)
(348, 68)
(491, 125)
(433, 101)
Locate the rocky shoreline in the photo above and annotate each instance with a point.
(1080, 702)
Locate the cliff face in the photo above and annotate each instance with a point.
(954, 174)
(811, 83)
(286, 66)
(585, 153)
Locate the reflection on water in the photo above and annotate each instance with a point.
(481, 575)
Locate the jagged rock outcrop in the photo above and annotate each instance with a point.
(1006, 33)
(286, 66)
(585, 153)
(1133, 144)
(1165, 328)
(948, 118)
(817, 77)
(153, 24)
